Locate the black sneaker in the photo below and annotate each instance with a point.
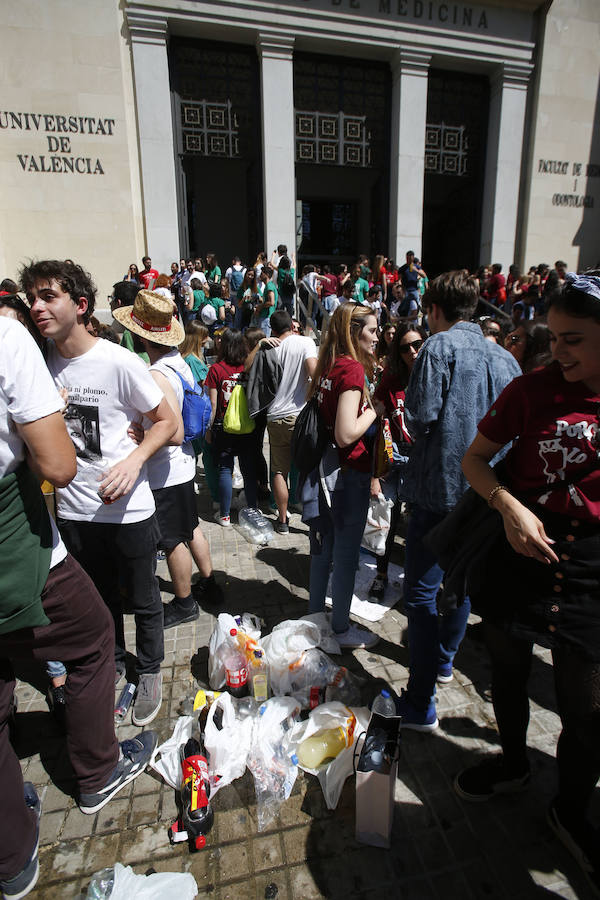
(377, 589)
(26, 880)
(57, 703)
(206, 590)
(134, 756)
(489, 778)
(282, 527)
(176, 614)
(582, 843)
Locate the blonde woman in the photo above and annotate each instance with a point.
(340, 383)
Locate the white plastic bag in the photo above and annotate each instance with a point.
(158, 886)
(305, 679)
(332, 775)
(379, 518)
(228, 746)
(168, 765)
(247, 623)
(271, 759)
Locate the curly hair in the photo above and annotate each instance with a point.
(72, 278)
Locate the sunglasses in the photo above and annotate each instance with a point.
(416, 345)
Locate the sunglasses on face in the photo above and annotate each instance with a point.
(416, 345)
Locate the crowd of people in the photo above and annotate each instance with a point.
(466, 371)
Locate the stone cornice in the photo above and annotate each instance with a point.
(146, 29)
(408, 61)
(274, 46)
(509, 74)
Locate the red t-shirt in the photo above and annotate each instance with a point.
(329, 285)
(224, 378)
(145, 277)
(552, 422)
(346, 375)
(391, 394)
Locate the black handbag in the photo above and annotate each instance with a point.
(309, 438)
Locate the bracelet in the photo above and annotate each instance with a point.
(493, 492)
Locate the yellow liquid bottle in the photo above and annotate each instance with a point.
(320, 746)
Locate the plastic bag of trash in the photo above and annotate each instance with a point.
(271, 758)
(166, 760)
(332, 772)
(227, 738)
(247, 625)
(126, 885)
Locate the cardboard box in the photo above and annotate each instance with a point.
(375, 788)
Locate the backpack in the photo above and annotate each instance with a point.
(237, 418)
(236, 279)
(309, 438)
(287, 285)
(196, 410)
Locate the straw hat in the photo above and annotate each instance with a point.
(151, 316)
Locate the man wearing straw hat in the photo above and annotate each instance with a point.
(106, 514)
(172, 469)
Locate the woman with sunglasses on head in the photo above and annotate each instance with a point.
(545, 587)
(407, 342)
(529, 343)
(248, 295)
(337, 519)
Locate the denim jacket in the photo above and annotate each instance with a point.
(456, 378)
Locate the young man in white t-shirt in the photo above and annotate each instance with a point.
(106, 514)
(172, 469)
(298, 358)
(68, 621)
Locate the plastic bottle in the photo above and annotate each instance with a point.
(373, 757)
(255, 527)
(124, 702)
(101, 885)
(384, 705)
(323, 745)
(344, 688)
(259, 676)
(196, 817)
(236, 670)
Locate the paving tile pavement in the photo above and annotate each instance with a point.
(442, 847)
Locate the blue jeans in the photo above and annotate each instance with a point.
(433, 640)
(335, 537)
(55, 669)
(227, 448)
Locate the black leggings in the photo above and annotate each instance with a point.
(577, 686)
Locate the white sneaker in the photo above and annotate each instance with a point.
(225, 521)
(355, 637)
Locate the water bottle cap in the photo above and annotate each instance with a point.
(258, 654)
(262, 710)
(294, 759)
(233, 632)
(385, 694)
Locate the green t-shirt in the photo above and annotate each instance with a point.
(268, 312)
(361, 289)
(199, 368)
(213, 274)
(199, 300)
(281, 273)
(217, 302)
(127, 342)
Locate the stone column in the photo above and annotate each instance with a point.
(407, 171)
(278, 140)
(155, 135)
(508, 98)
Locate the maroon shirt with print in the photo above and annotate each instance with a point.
(552, 423)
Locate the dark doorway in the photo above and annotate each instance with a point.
(217, 87)
(455, 146)
(342, 157)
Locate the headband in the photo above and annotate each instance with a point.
(587, 284)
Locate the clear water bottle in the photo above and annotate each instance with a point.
(101, 885)
(255, 527)
(384, 705)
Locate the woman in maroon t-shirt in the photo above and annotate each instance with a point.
(544, 584)
(345, 362)
(222, 377)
